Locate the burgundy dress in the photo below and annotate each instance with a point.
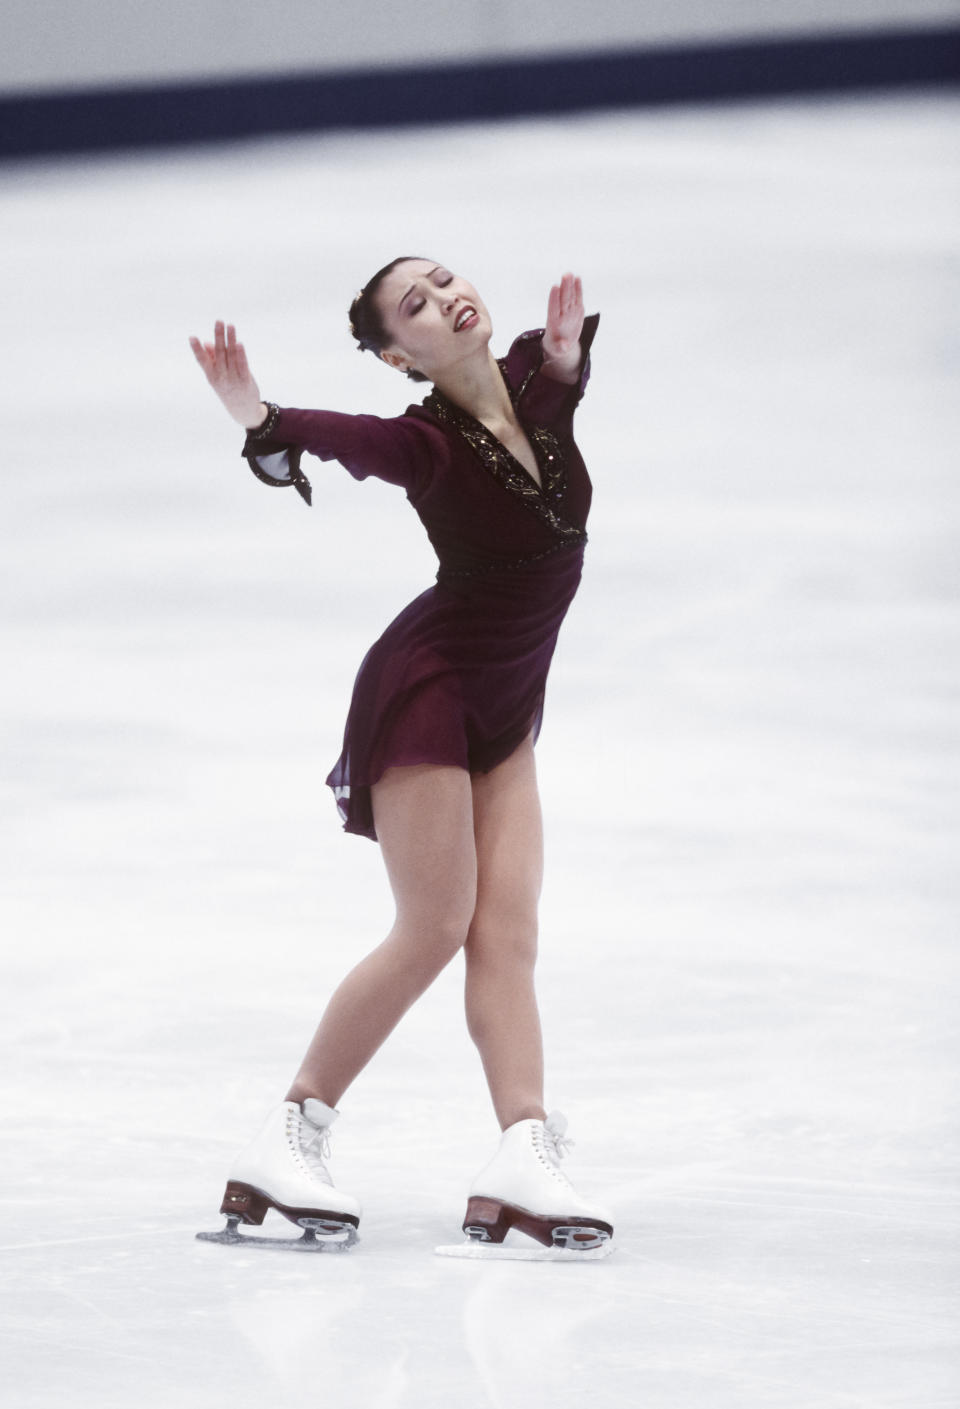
(459, 677)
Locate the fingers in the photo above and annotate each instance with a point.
(224, 338)
(236, 356)
(231, 348)
(567, 296)
(224, 358)
(203, 352)
(570, 292)
(565, 309)
(210, 355)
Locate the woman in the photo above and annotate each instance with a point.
(438, 755)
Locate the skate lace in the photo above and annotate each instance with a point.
(552, 1141)
(560, 1144)
(315, 1148)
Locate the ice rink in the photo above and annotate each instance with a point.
(748, 765)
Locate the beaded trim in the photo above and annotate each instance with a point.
(502, 363)
(444, 573)
(261, 432)
(506, 468)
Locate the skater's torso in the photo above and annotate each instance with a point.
(481, 507)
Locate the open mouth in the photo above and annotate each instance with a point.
(466, 318)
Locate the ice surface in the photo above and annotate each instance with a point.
(749, 770)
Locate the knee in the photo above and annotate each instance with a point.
(437, 930)
(503, 937)
(450, 930)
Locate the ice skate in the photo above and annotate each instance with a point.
(284, 1168)
(523, 1195)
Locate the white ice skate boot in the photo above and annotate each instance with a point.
(524, 1188)
(284, 1168)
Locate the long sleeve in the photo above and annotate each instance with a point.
(542, 400)
(392, 449)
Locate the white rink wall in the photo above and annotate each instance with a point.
(64, 45)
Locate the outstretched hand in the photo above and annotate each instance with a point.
(561, 338)
(224, 364)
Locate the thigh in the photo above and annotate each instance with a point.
(423, 814)
(508, 828)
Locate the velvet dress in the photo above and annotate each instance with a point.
(459, 676)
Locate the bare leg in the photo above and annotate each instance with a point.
(501, 948)
(424, 820)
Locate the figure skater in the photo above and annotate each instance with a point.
(438, 753)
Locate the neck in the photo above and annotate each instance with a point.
(477, 387)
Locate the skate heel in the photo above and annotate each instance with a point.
(487, 1220)
(245, 1203)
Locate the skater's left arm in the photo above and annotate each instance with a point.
(550, 367)
(561, 336)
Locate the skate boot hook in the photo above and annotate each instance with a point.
(284, 1168)
(524, 1191)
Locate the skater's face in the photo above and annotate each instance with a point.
(435, 318)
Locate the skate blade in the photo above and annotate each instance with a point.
(476, 1251)
(570, 1244)
(318, 1236)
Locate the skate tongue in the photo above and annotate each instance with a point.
(318, 1113)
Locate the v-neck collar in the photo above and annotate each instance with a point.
(543, 499)
(453, 412)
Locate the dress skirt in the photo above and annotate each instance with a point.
(457, 678)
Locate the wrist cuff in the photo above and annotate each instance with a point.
(262, 431)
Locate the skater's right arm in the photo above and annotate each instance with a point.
(389, 449)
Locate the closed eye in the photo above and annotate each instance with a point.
(441, 278)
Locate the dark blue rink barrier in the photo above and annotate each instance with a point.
(157, 115)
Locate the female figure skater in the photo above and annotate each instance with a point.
(438, 754)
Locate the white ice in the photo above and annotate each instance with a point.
(748, 764)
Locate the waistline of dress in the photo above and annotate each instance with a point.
(490, 569)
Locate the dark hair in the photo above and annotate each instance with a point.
(366, 320)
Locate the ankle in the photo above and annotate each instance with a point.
(513, 1114)
(300, 1092)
